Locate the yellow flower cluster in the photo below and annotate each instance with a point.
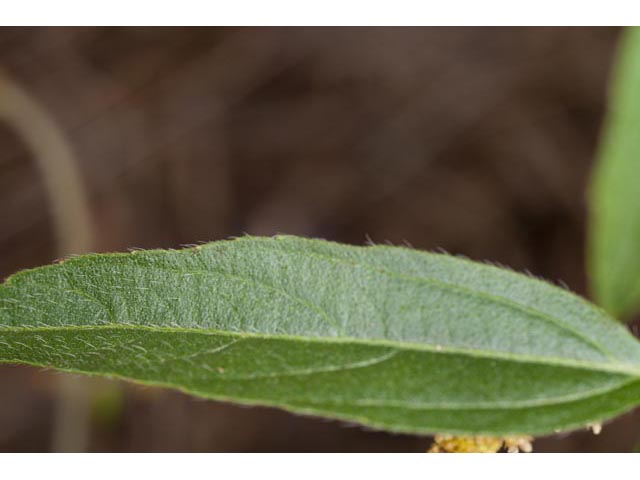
(480, 444)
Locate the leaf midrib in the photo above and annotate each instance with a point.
(619, 368)
(553, 401)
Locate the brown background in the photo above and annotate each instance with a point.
(476, 140)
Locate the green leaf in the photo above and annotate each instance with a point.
(614, 257)
(388, 337)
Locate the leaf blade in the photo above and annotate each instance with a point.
(390, 337)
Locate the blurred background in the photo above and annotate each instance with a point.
(475, 140)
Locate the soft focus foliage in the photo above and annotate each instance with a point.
(615, 200)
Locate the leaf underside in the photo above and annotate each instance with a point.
(387, 337)
(614, 258)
